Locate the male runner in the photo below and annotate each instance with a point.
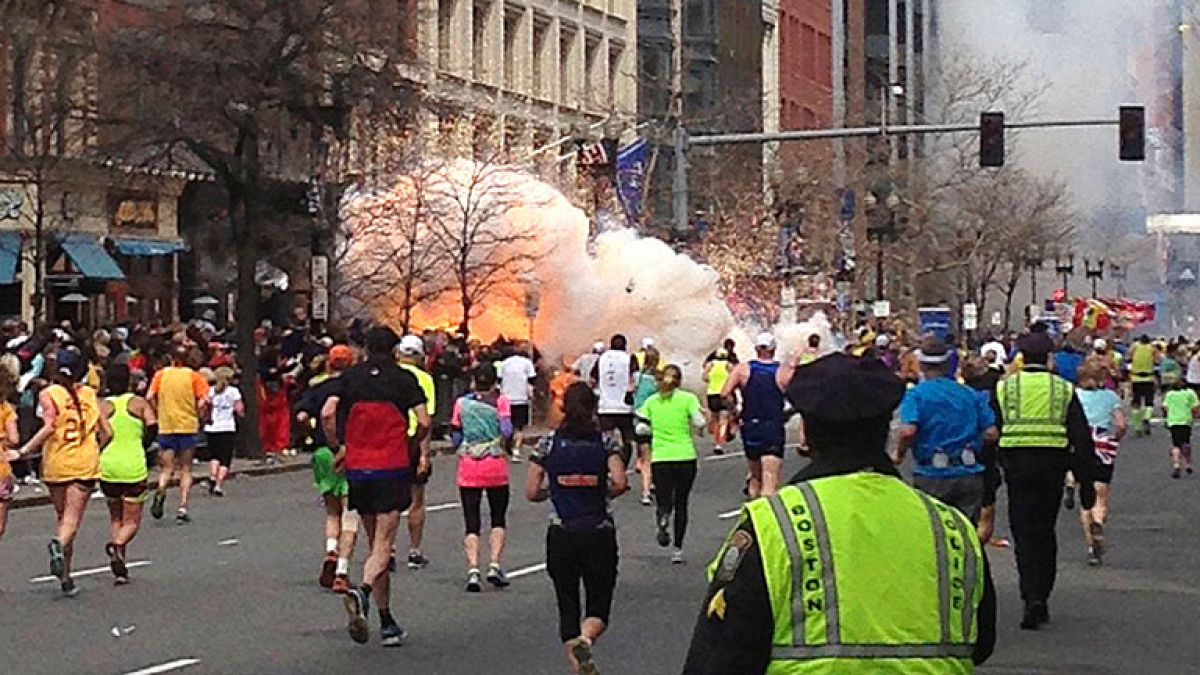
(762, 382)
(517, 374)
(412, 355)
(369, 417)
(1143, 359)
(615, 373)
(180, 398)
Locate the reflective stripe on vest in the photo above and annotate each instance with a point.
(802, 569)
(1034, 406)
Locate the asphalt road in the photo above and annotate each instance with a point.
(235, 592)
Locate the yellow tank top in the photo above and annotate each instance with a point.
(1141, 363)
(72, 452)
(718, 375)
(6, 413)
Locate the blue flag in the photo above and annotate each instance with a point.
(631, 177)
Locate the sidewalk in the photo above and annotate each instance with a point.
(36, 495)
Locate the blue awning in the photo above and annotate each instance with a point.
(10, 256)
(90, 258)
(148, 247)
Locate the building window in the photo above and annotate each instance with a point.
(540, 29)
(808, 51)
(445, 19)
(512, 30)
(479, 21)
(566, 58)
(615, 52)
(824, 60)
(591, 67)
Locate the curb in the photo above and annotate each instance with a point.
(441, 449)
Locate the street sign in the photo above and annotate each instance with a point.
(320, 304)
(935, 320)
(882, 309)
(320, 271)
(970, 316)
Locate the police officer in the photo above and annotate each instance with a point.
(947, 424)
(846, 569)
(1041, 419)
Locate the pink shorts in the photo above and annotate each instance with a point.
(7, 489)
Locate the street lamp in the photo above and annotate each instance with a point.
(1065, 270)
(1094, 273)
(1033, 262)
(882, 228)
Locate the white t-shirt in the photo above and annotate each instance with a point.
(1193, 371)
(998, 348)
(515, 373)
(223, 418)
(615, 370)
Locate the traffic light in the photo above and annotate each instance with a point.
(1133, 134)
(991, 139)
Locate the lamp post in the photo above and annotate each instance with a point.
(1065, 270)
(1033, 262)
(882, 229)
(1094, 273)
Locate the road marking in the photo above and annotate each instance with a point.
(228, 542)
(165, 667)
(532, 569)
(728, 455)
(729, 514)
(436, 507)
(87, 573)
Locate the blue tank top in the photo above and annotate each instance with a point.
(761, 397)
(578, 475)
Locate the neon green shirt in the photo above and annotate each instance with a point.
(1179, 404)
(718, 375)
(426, 381)
(671, 425)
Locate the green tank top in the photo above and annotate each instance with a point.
(124, 460)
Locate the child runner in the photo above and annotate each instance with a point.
(73, 431)
(579, 470)
(123, 469)
(1182, 407)
(480, 425)
(221, 430)
(11, 439)
(669, 417)
(1104, 414)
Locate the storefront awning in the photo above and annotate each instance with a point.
(148, 247)
(90, 258)
(10, 256)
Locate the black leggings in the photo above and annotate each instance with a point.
(472, 500)
(589, 556)
(672, 487)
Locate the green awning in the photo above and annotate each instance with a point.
(90, 258)
(10, 256)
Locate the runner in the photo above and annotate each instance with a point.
(368, 416)
(412, 354)
(583, 365)
(810, 353)
(616, 373)
(1103, 410)
(123, 469)
(72, 433)
(221, 430)
(11, 441)
(480, 425)
(579, 469)
(341, 524)
(1142, 361)
(716, 373)
(669, 417)
(761, 383)
(517, 375)
(647, 385)
(180, 399)
(1183, 406)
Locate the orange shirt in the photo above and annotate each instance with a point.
(7, 414)
(177, 392)
(73, 452)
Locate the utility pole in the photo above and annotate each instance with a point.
(893, 71)
(679, 191)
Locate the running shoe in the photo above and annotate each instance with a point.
(341, 584)
(516, 456)
(1069, 497)
(581, 651)
(182, 517)
(677, 557)
(212, 488)
(718, 450)
(1175, 472)
(1098, 536)
(664, 539)
(497, 577)
(218, 491)
(69, 589)
(1094, 559)
(116, 563)
(58, 561)
(156, 506)
(416, 561)
(1189, 470)
(393, 635)
(646, 500)
(328, 571)
(357, 604)
(474, 585)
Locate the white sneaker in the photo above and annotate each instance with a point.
(516, 456)
(677, 557)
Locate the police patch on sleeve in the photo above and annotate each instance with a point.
(739, 543)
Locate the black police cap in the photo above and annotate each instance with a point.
(840, 389)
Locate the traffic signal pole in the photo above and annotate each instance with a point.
(683, 141)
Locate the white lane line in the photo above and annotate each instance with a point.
(728, 455)
(729, 514)
(87, 573)
(165, 667)
(532, 569)
(437, 507)
(228, 542)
